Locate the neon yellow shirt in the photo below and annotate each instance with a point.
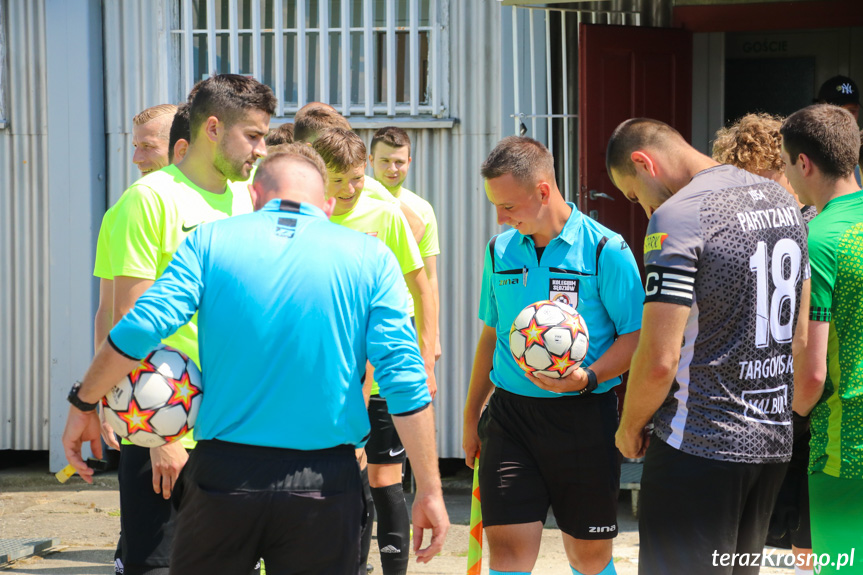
(102, 266)
(386, 222)
(429, 244)
(151, 220)
(376, 190)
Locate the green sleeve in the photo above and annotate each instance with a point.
(403, 244)
(137, 234)
(429, 244)
(822, 259)
(102, 267)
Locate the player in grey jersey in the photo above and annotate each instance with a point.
(725, 262)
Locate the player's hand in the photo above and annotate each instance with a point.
(575, 381)
(81, 426)
(429, 512)
(470, 443)
(632, 445)
(108, 432)
(431, 381)
(168, 460)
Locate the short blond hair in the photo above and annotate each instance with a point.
(154, 112)
(752, 143)
(165, 111)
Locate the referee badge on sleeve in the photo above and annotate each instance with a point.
(564, 291)
(669, 285)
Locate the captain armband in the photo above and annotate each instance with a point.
(669, 285)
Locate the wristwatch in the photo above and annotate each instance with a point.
(76, 401)
(591, 382)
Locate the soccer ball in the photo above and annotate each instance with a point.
(158, 402)
(550, 338)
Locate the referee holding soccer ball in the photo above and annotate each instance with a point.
(549, 442)
(289, 308)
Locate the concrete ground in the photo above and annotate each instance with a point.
(86, 519)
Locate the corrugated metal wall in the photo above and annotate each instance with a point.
(136, 72)
(24, 250)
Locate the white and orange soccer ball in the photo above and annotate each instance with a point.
(158, 402)
(550, 338)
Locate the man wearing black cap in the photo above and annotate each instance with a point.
(842, 91)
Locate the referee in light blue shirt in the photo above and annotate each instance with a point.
(289, 308)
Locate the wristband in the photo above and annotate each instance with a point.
(592, 383)
(77, 401)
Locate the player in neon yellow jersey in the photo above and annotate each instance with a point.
(229, 118)
(151, 137)
(820, 146)
(315, 117)
(390, 159)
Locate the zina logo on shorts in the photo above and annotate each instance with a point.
(604, 529)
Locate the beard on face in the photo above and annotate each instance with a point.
(228, 164)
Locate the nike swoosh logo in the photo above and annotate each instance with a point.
(190, 228)
(399, 452)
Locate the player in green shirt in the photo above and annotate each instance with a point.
(229, 118)
(820, 147)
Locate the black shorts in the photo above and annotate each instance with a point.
(556, 452)
(790, 524)
(301, 511)
(147, 520)
(384, 446)
(692, 510)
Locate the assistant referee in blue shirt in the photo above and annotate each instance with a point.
(289, 308)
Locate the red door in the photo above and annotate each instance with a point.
(627, 72)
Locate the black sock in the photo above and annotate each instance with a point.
(393, 528)
(366, 534)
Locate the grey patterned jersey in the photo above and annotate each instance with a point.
(732, 246)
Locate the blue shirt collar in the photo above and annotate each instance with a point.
(291, 206)
(570, 229)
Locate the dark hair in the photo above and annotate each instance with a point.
(312, 119)
(284, 134)
(525, 158)
(341, 149)
(860, 163)
(636, 134)
(179, 129)
(827, 135)
(392, 137)
(228, 97)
